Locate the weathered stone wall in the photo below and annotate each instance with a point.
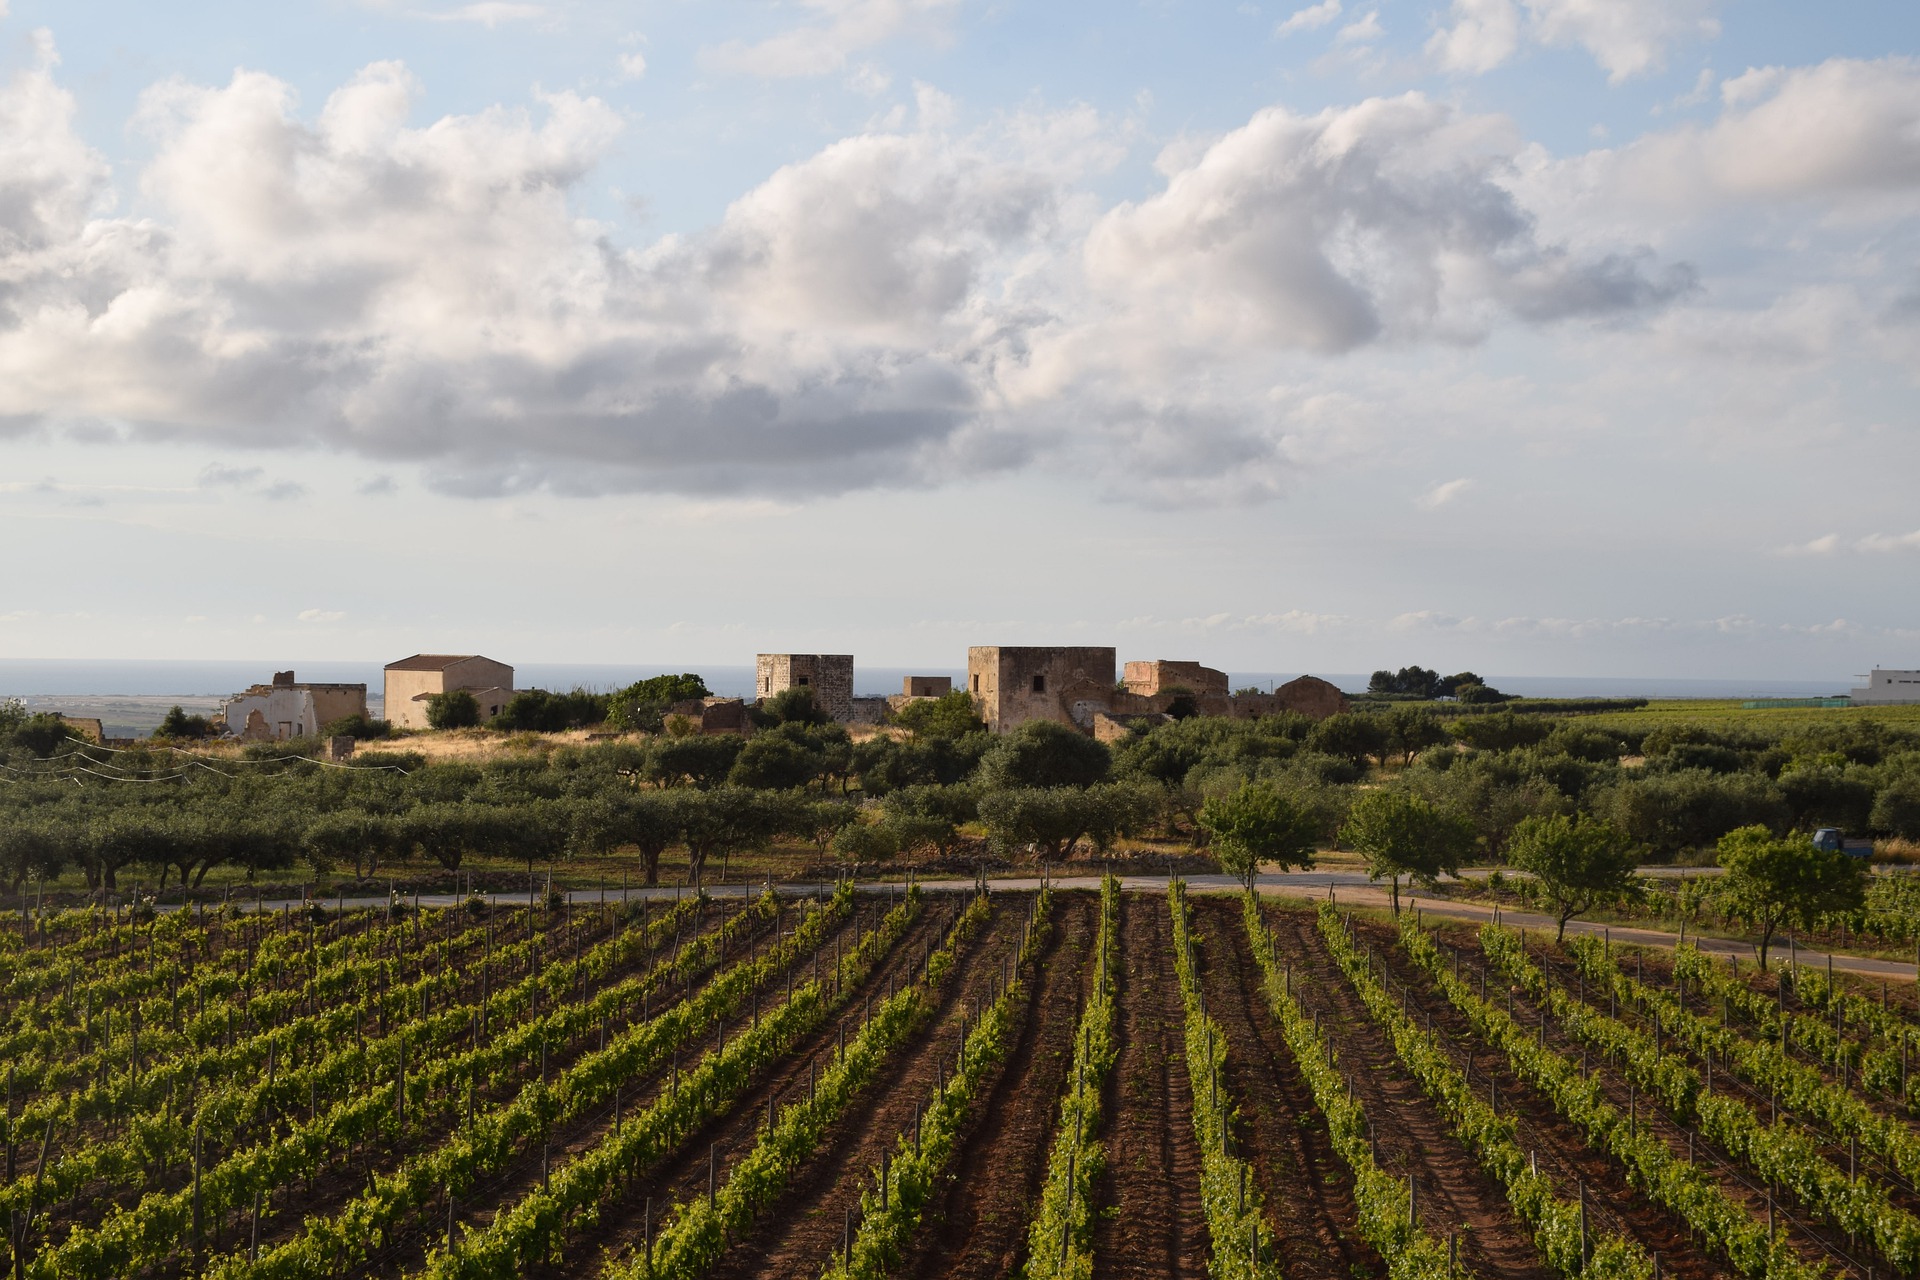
(1159, 675)
(829, 675)
(926, 686)
(1012, 685)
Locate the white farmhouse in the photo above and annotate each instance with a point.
(1884, 686)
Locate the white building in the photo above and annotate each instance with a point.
(1885, 686)
(288, 709)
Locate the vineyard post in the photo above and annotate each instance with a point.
(1066, 1216)
(1584, 1255)
(196, 1190)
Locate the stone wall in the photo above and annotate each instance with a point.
(1149, 679)
(829, 675)
(1014, 684)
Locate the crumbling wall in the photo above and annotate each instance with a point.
(1014, 684)
(828, 675)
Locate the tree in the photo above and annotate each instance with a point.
(794, 705)
(642, 705)
(358, 727)
(703, 759)
(1048, 820)
(779, 759)
(1772, 881)
(1043, 753)
(1500, 731)
(1404, 835)
(455, 709)
(949, 716)
(1352, 735)
(859, 842)
(1896, 809)
(725, 821)
(1257, 824)
(1577, 861)
(177, 724)
(1407, 731)
(538, 711)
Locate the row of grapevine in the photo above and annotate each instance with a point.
(699, 1230)
(484, 1145)
(1761, 1064)
(1722, 1223)
(890, 1212)
(1386, 1209)
(1228, 1192)
(1783, 1153)
(1060, 1240)
(532, 1230)
(156, 1227)
(1883, 1068)
(248, 1094)
(1559, 1230)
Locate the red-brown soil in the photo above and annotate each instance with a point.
(977, 1228)
(795, 1237)
(1306, 1189)
(1150, 1220)
(1410, 1134)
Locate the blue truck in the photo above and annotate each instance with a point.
(1833, 840)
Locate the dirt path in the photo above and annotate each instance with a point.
(977, 1227)
(796, 1235)
(1306, 1188)
(1149, 1219)
(1410, 1134)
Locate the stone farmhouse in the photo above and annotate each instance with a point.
(287, 708)
(1070, 685)
(411, 681)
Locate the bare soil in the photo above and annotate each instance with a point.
(1411, 1137)
(1151, 1222)
(1306, 1189)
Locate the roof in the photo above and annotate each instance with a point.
(432, 661)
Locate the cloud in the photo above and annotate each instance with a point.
(320, 615)
(487, 13)
(1363, 29)
(1384, 221)
(632, 65)
(1309, 19)
(825, 47)
(1890, 542)
(1443, 493)
(283, 491)
(233, 477)
(1825, 545)
(1626, 37)
(901, 308)
(378, 486)
(1841, 127)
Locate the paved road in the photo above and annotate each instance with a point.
(1346, 886)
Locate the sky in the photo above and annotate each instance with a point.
(1549, 337)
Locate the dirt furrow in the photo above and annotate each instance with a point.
(977, 1228)
(1306, 1188)
(1807, 1238)
(795, 1237)
(1410, 1135)
(408, 1247)
(1558, 1146)
(622, 1225)
(1149, 1219)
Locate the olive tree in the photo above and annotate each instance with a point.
(1577, 861)
(1771, 881)
(1403, 835)
(1257, 824)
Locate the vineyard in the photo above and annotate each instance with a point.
(938, 1083)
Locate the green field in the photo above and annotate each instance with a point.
(1728, 712)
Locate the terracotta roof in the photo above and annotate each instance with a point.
(429, 661)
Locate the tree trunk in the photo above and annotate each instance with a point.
(1395, 882)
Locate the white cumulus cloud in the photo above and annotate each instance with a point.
(1310, 18)
(1626, 37)
(1443, 493)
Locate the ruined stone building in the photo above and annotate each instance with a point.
(411, 681)
(828, 675)
(1075, 686)
(288, 709)
(1012, 685)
